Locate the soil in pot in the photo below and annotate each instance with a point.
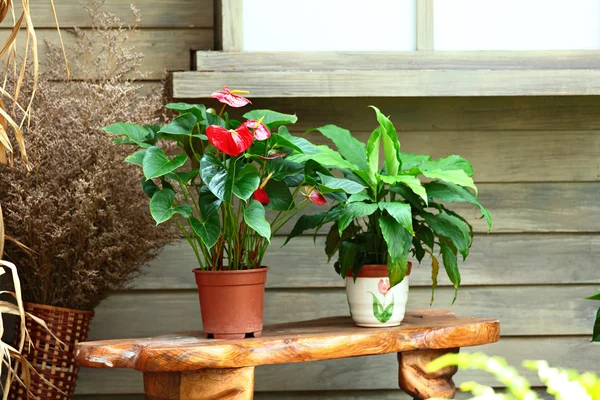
(372, 302)
(232, 302)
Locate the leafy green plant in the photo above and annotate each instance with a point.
(390, 213)
(596, 331)
(223, 178)
(564, 384)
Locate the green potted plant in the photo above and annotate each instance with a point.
(217, 188)
(390, 215)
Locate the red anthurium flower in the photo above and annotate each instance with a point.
(261, 132)
(316, 197)
(231, 97)
(261, 196)
(230, 142)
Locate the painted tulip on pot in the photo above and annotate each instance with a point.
(389, 216)
(216, 189)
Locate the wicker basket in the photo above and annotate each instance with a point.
(53, 360)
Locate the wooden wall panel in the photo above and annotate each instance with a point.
(158, 46)
(372, 373)
(155, 13)
(511, 259)
(522, 310)
(445, 113)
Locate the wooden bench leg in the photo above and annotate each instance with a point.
(206, 384)
(417, 381)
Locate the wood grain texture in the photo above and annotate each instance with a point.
(152, 313)
(370, 373)
(325, 339)
(416, 380)
(507, 259)
(566, 113)
(209, 384)
(405, 83)
(424, 25)
(285, 61)
(230, 24)
(163, 49)
(155, 13)
(390, 394)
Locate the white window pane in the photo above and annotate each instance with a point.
(516, 24)
(334, 25)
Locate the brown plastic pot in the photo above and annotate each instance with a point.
(232, 302)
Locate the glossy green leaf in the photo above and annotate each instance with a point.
(157, 164)
(333, 184)
(208, 202)
(283, 168)
(149, 187)
(361, 196)
(373, 157)
(594, 297)
(397, 238)
(452, 228)
(349, 147)
(348, 254)
(209, 230)
(162, 207)
(136, 158)
(327, 157)
(182, 125)
(307, 222)
(246, 182)
(449, 163)
(198, 110)
(136, 134)
(451, 265)
(401, 212)
(306, 146)
(183, 177)
(280, 197)
(412, 182)
(410, 160)
(450, 192)
(277, 140)
(272, 119)
(458, 177)
(353, 211)
(425, 235)
(218, 178)
(254, 216)
(397, 269)
(391, 144)
(596, 331)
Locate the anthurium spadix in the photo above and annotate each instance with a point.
(397, 206)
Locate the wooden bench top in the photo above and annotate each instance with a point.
(320, 339)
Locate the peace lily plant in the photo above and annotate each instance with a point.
(393, 212)
(224, 176)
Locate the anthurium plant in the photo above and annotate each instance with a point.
(224, 176)
(391, 213)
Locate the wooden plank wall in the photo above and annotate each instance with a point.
(537, 163)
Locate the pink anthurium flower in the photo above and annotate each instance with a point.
(315, 196)
(230, 142)
(383, 286)
(261, 132)
(231, 97)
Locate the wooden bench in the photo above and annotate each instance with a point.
(186, 366)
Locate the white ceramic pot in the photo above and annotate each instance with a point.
(372, 302)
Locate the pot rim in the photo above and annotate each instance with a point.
(375, 271)
(231, 272)
(55, 308)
